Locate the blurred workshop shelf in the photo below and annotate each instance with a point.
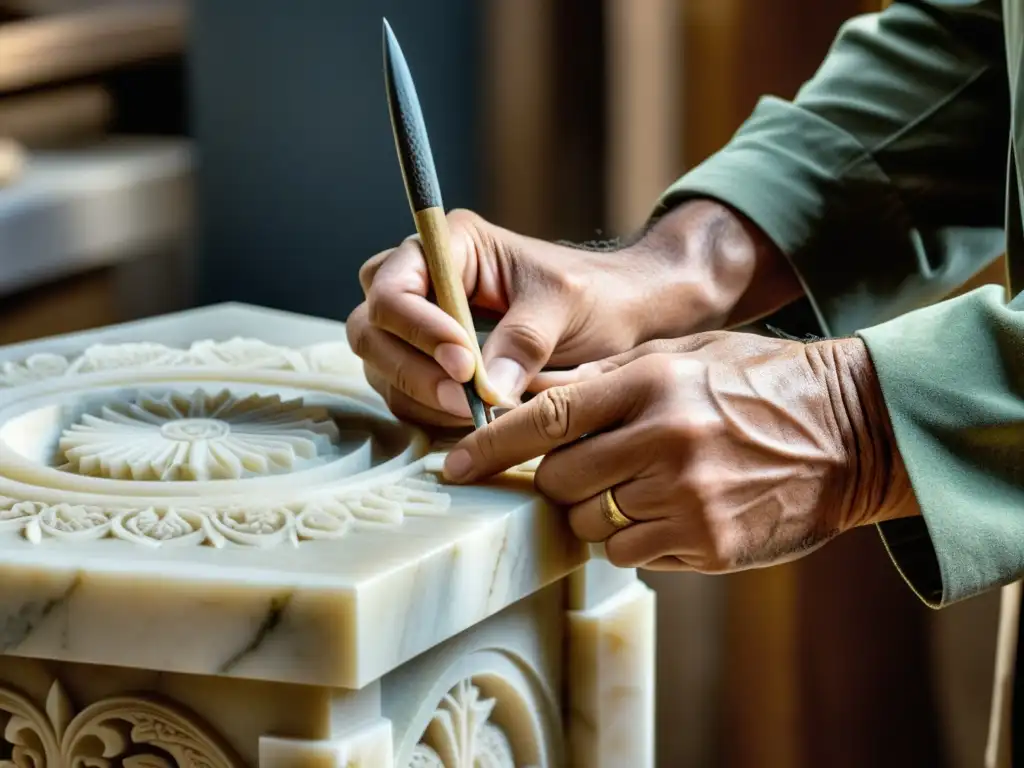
(75, 210)
(56, 46)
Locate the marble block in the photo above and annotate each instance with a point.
(218, 548)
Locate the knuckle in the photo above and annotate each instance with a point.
(377, 383)
(527, 339)
(369, 269)
(376, 308)
(401, 379)
(661, 366)
(672, 438)
(355, 323)
(723, 551)
(400, 408)
(552, 412)
(381, 310)
(681, 426)
(473, 237)
(543, 479)
(617, 556)
(358, 339)
(700, 483)
(414, 334)
(384, 311)
(464, 219)
(485, 444)
(551, 481)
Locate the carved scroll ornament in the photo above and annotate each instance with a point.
(123, 731)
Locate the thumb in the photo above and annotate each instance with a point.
(522, 343)
(547, 379)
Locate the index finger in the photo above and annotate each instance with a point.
(554, 418)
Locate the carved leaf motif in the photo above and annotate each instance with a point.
(35, 368)
(106, 357)
(247, 353)
(33, 734)
(153, 527)
(254, 526)
(460, 736)
(74, 521)
(251, 354)
(14, 513)
(333, 357)
(417, 497)
(326, 517)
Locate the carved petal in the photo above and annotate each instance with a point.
(29, 730)
(58, 709)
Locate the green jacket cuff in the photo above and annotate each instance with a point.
(948, 374)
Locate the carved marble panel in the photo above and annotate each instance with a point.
(230, 469)
(131, 731)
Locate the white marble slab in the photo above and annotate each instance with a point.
(336, 565)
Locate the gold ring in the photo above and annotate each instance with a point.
(610, 509)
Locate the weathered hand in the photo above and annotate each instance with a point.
(727, 450)
(558, 305)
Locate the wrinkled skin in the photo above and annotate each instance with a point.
(728, 450)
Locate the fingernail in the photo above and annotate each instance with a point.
(506, 376)
(457, 465)
(456, 360)
(452, 398)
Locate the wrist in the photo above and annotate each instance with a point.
(709, 260)
(877, 484)
(724, 269)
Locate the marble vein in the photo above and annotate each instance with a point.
(20, 623)
(275, 614)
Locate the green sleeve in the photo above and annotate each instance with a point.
(883, 180)
(953, 380)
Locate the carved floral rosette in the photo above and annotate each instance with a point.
(218, 444)
(131, 731)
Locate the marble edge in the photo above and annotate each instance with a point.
(522, 552)
(308, 631)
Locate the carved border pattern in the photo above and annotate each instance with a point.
(131, 731)
(243, 353)
(323, 517)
